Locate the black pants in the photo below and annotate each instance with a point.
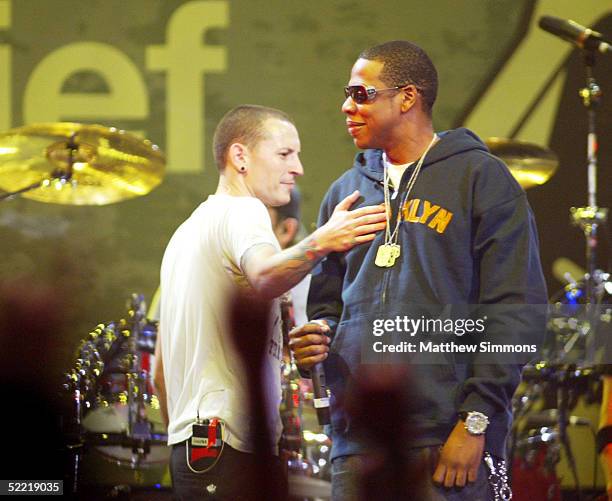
(237, 476)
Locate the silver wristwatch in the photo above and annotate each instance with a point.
(475, 422)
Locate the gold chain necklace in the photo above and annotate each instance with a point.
(388, 252)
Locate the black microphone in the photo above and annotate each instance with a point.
(583, 37)
(321, 394)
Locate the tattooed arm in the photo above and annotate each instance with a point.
(272, 273)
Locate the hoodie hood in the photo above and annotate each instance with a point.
(452, 142)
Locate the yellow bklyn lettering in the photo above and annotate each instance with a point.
(424, 212)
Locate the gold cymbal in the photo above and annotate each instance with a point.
(529, 163)
(103, 166)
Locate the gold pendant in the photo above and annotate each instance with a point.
(395, 250)
(383, 255)
(386, 255)
(394, 253)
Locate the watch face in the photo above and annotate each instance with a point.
(476, 423)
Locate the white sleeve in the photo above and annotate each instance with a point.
(248, 224)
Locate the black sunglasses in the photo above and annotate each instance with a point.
(361, 93)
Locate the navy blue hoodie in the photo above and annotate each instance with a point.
(467, 237)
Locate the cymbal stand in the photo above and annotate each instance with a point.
(589, 218)
(60, 175)
(139, 428)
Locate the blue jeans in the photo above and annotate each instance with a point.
(347, 480)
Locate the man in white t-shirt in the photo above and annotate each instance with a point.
(228, 243)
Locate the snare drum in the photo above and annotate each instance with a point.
(111, 419)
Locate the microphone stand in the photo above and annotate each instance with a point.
(589, 218)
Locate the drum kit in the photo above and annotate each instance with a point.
(577, 348)
(112, 412)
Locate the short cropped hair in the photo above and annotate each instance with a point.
(406, 63)
(243, 124)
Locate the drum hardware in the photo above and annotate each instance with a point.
(138, 426)
(535, 442)
(534, 466)
(579, 332)
(563, 409)
(140, 446)
(306, 453)
(580, 320)
(591, 217)
(542, 417)
(93, 355)
(111, 408)
(290, 408)
(77, 164)
(79, 387)
(148, 337)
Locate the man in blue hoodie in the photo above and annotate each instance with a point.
(459, 232)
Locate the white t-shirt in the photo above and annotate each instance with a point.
(396, 171)
(203, 372)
